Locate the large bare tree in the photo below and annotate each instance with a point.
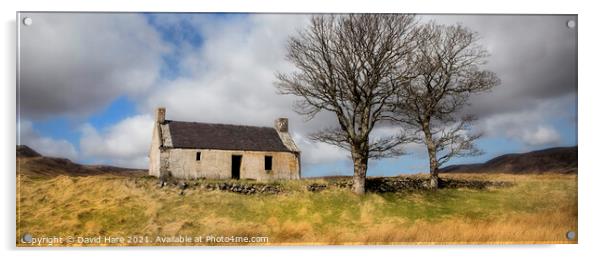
(349, 65)
(448, 68)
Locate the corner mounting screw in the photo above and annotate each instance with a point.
(571, 24)
(27, 21)
(570, 235)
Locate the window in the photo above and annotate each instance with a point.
(268, 163)
(198, 156)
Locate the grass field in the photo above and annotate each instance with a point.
(536, 209)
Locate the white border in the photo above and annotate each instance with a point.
(589, 126)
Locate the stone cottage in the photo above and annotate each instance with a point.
(190, 150)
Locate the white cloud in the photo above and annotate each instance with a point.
(76, 63)
(45, 145)
(125, 143)
(318, 153)
(541, 136)
(530, 127)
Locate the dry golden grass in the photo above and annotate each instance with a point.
(515, 228)
(536, 209)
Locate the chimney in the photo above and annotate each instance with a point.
(160, 115)
(281, 124)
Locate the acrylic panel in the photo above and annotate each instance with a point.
(221, 129)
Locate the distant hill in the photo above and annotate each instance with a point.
(553, 160)
(32, 163)
(25, 151)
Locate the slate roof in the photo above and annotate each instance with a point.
(199, 135)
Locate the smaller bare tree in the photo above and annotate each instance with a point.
(447, 70)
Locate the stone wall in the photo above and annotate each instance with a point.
(217, 164)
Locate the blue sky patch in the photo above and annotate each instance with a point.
(119, 109)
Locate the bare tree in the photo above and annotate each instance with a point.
(349, 65)
(447, 70)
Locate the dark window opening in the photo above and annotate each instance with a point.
(198, 156)
(268, 162)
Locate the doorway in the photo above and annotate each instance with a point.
(236, 161)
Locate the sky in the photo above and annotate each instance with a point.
(89, 84)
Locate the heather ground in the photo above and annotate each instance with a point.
(532, 209)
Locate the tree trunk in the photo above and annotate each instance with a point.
(433, 163)
(434, 179)
(360, 167)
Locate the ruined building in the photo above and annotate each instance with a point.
(191, 150)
